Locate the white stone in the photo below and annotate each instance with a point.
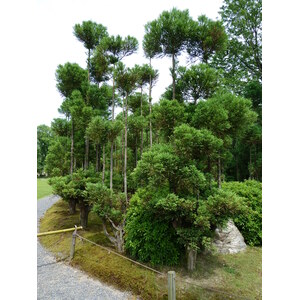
(229, 240)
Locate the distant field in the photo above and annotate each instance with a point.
(43, 188)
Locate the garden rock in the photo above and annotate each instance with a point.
(229, 240)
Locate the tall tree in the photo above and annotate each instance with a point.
(126, 79)
(113, 49)
(167, 36)
(90, 34)
(70, 77)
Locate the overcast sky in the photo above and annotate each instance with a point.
(58, 45)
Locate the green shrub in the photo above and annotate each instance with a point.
(149, 238)
(250, 222)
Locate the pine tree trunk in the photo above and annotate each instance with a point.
(72, 207)
(236, 161)
(86, 155)
(84, 213)
(142, 131)
(103, 164)
(219, 170)
(250, 169)
(191, 258)
(173, 74)
(112, 144)
(89, 57)
(136, 151)
(150, 107)
(125, 152)
(72, 147)
(122, 155)
(97, 160)
(120, 240)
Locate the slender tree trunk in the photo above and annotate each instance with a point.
(115, 159)
(255, 163)
(150, 107)
(122, 156)
(72, 146)
(209, 170)
(250, 169)
(112, 144)
(103, 164)
(136, 151)
(97, 161)
(236, 160)
(86, 155)
(219, 170)
(125, 151)
(84, 213)
(87, 142)
(72, 206)
(142, 131)
(89, 57)
(173, 74)
(191, 258)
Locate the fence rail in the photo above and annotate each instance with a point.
(59, 231)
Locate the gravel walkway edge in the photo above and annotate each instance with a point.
(56, 280)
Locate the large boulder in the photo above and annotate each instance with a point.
(229, 239)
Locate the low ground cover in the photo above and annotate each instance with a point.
(43, 188)
(219, 276)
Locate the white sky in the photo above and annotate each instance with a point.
(58, 45)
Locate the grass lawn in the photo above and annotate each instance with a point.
(43, 188)
(239, 275)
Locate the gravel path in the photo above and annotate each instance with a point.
(55, 280)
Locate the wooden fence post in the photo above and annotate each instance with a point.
(73, 242)
(171, 286)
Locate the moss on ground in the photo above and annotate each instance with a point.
(238, 274)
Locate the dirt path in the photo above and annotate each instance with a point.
(56, 280)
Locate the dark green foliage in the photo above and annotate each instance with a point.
(61, 127)
(206, 37)
(106, 204)
(224, 114)
(168, 34)
(57, 161)
(70, 77)
(72, 187)
(198, 82)
(249, 222)
(149, 237)
(89, 33)
(167, 115)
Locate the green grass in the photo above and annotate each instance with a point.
(43, 188)
(238, 274)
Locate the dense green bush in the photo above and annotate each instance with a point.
(249, 222)
(150, 238)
